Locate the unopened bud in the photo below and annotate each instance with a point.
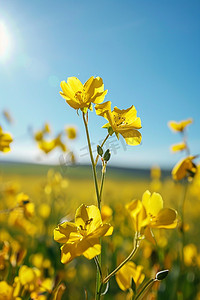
(99, 150)
(162, 274)
(107, 155)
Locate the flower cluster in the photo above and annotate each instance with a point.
(79, 96)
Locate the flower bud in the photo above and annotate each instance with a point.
(107, 155)
(99, 150)
(162, 274)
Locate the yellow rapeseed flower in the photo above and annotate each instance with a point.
(23, 201)
(158, 217)
(48, 145)
(71, 132)
(179, 126)
(5, 291)
(124, 122)
(149, 213)
(82, 237)
(79, 95)
(128, 273)
(28, 277)
(190, 254)
(178, 147)
(106, 213)
(184, 168)
(38, 136)
(5, 140)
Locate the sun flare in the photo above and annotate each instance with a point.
(5, 42)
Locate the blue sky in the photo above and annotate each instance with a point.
(147, 53)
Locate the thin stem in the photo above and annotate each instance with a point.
(183, 222)
(97, 157)
(102, 182)
(98, 265)
(99, 275)
(92, 161)
(187, 149)
(133, 252)
(145, 289)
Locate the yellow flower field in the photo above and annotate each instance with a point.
(30, 258)
(98, 232)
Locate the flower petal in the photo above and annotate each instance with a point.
(102, 109)
(128, 272)
(75, 84)
(166, 218)
(131, 136)
(65, 232)
(67, 91)
(88, 217)
(138, 214)
(68, 252)
(74, 104)
(180, 170)
(93, 247)
(104, 230)
(154, 205)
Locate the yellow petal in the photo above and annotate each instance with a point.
(74, 104)
(67, 91)
(88, 217)
(149, 235)
(154, 205)
(66, 231)
(99, 97)
(75, 84)
(68, 252)
(129, 115)
(5, 291)
(179, 126)
(104, 230)
(178, 147)
(166, 218)
(128, 272)
(180, 170)
(88, 246)
(131, 136)
(101, 109)
(138, 214)
(26, 275)
(88, 86)
(92, 247)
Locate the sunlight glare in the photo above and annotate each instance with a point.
(5, 42)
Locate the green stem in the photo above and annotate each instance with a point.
(98, 265)
(92, 161)
(183, 224)
(98, 276)
(187, 149)
(145, 289)
(107, 278)
(133, 252)
(102, 182)
(97, 157)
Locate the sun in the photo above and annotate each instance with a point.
(5, 42)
